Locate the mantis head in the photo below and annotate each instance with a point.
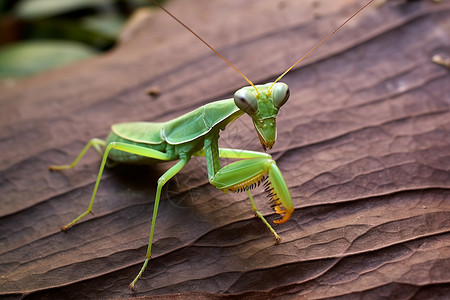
(261, 103)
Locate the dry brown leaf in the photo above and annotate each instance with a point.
(363, 144)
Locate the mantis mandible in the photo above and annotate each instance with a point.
(196, 134)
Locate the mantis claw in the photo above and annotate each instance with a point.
(67, 227)
(131, 286)
(248, 174)
(277, 240)
(133, 283)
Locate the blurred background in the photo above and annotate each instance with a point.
(37, 35)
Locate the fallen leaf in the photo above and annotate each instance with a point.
(362, 143)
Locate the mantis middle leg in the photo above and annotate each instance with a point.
(161, 181)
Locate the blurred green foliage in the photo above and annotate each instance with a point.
(36, 35)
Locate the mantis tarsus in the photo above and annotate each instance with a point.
(197, 134)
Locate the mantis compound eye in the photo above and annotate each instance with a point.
(246, 101)
(280, 94)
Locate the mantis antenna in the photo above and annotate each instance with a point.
(320, 43)
(239, 72)
(208, 45)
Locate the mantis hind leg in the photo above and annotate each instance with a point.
(96, 143)
(134, 149)
(138, 150)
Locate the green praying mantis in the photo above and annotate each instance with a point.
(196, 134)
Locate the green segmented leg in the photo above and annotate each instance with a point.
(96, 143)
(246, 174)
(161, 181)
(260, 216)
(130, 148)
(133, 149)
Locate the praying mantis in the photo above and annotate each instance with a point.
(197, 134)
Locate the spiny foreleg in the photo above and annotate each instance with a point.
(247, 174)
